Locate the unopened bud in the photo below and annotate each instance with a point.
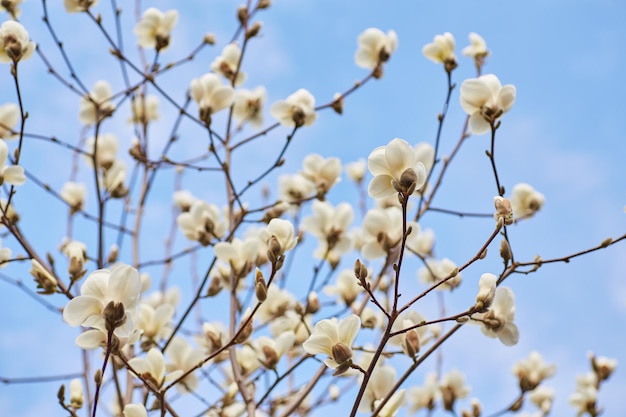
(273, 249)
(260, 287)
(97, 377)
(313, 305)
(114, 315)
(517, 405)
(215, 287)
(505, 251)
(264, 4)
(245, 332)
(503, 209)
(408, 181)
(114, 251)
(254, 30)
(337, 104)
(271, 357)
(341, 353)
(242, 14)
(209, 38)
(333, 392)
(412, 343)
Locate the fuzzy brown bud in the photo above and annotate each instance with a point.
(341, 353)
(505, 251)
(412, 343)
(260, 287)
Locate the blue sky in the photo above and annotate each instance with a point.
(564, 136)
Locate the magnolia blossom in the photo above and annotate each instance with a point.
(486, 291)
(390, 409)
(15, 43)
(202, 222)
(412, 340)
(152, 368)
(12, 174)
(227, 64)
(602, 366)
(239, 254)
(45, 281)
(452, 387)
(9, 116)
(382, 380)
(486, 100)
(477, 47)
(294, 188)
(76, 253)
(525, 200)
(279, 236)
(5, 255)
(334, 338)
(12, 7)
(441, 51)
(183, 357)
(105, 151)
(323, 172)
(532, 371)
(347, 287)
(375, 47)
(97, 104)
(77, 6)
(155, 322)
(154, 28)
(425, 153)
(421, 242)
(330, 226)
(498, 321)
(425, 396)
(584, 399)
(183, 199)
(436, 271)
(296, 111)
(77, 397)
(269, 351)
(135, 410)
(171, 296)
(211, 95)
(278, 301)
(144, 108)
(542, 397)
(108, 300)
(249, 106)
(214, 336)
(293, 321)
(382, 231)
(356, 170)
(74, 194)
(113, 179)
(395, 169)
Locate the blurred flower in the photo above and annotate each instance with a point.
(9, 116)
(183, 357)
(77, 397)
(152, 368)
(12, 174)
(44, 279)
(486, 100)
(421, 242)
(382, 380)
(356, 170)
(395, 169)
(602, 366)
(278, 301)
(114, 178)
(477, 47)
(105, 151)
(382, 231)
(15, 43)
(347, 287)
(334, 338)
(452, 387)
(323, 172)
(77, 6)
(144, 108)
(269, 351)
(249, 106)
(5, 255)
(426, 395)
(227, 64)
(542, 397)
(97, 105)
(441, 51)
(135, 410)
(532, 371)
(202, 223)
(525, 200)
(73, 193)
(437, 270)
(155, 27)
(211, 95)
(295, 111)
(486, 291)
(375, 47)
(390, 409)
(294, 188)
(155, 322)
(76, 253)
(239, 254)
(12, 7)
(330, 226)
(183, 199)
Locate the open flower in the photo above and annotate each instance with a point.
(477, 47)
(73, 193)
(334, 338)
(452, 387)
(15, 43)
(135, 410)
(152, 368)
(323, 172)
(375, 47)
(426, 395)
(498, 321)
(9, 116)
(269, 350)
(154, 28)
(382, 381)
(202, 222)
(532, 371)
(296, 110)
(227, 64)
(279, 236)
(12, 174)
(330, 226)
(105, 150)
(347, 287)
(486, 100)
(12, 7)
(249, 106)
(436, 271)
(144, 108)
(525, 200)
(211, 95)
(441, 51)
(77, 6)
(97, 104)
(395, 169)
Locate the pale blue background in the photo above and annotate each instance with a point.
(564, 136)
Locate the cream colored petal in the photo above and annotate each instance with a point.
(78, 309)
(478, 125)
(380, 187)
(506, 98)
(474, 94)
(318, 343)
(348, 329)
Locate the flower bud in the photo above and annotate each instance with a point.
(114, 315)
(505, 251)
(337, 104)
(341, 353)
(214, 287)
(76, 394)
(313, 304)
(503, 210)
(260, 287)
(486, 291)
(412, 343)
(254, 30)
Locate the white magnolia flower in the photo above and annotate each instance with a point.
(5, 255)
(382, 231)
(323, 172)
(77, 6)
(97, 104)
(74, 194)
(171, 296)
(412, 340)
(532, 371)
(278, 301)
(152, 367)
(347, 287)
(155, 27)
(375, 47)
(280, 232)
(486, 100)
(542, 397)
(12, 174)
(202, 222)
(356, 170)
(425, 153)
(12, 7)
(135, 410)
(144, 109)
(498, 321)
(294, 188)
(382, 380)
(114, 178)
(15, 43)
(584, 399)
(249, 106)
(395, 169)
(227, 64)
(214, 337)
(426, 395)
(239, 254)
(106, 150)
(334, 338)
(211, 95)
(390, 409)
(441, 51)
(330, 226)
(269, 350)
(452, 387)
(45, 281)
(9, 116)
(155, 322)
(437, 270)
(77, 397)
(291, 321)
(108, 300)
(183, 357)
(477, 47)
(602, 366)
(296, 111)
(421, 242)
(76, 253)
(486, 291)
(183, 199)
(525, 200)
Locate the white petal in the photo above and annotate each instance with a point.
(349, 328)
